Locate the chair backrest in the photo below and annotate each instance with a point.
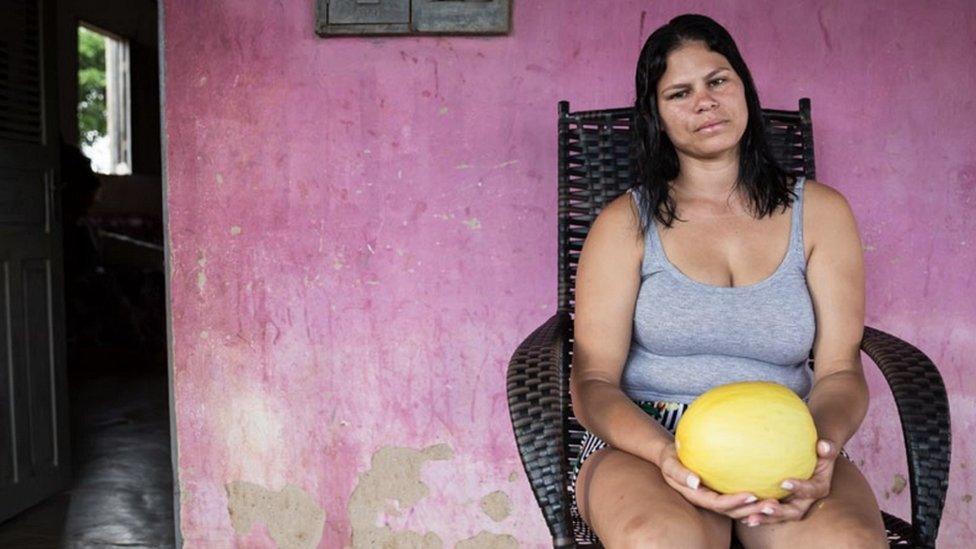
(596, 164)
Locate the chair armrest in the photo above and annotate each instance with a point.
(924, 412)
(536, 405)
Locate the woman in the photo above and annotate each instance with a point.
(710, 297)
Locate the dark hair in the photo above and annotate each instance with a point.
(657, 162)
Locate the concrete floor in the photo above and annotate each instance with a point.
(122, 494)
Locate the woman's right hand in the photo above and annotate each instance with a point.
(742, 506)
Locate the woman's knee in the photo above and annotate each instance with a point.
(852, 533)
(671, 530)
(864, 534)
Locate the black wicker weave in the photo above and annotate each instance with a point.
(596, 152)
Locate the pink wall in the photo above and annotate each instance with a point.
(362, 230)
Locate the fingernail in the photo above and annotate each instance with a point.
(692, 481)
(787, 485)
(752, 523)
(824, 446)
(767, 510)
(752, 499)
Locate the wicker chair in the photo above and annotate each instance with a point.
(595, 166)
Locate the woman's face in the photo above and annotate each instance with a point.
(699, 88)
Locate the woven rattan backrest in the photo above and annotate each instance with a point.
(596, 164)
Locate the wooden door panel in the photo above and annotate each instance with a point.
(39, 365)
(23, 198)
(8, 416)
(34, 460)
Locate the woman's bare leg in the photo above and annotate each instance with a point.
(847, 517)
(627, 503)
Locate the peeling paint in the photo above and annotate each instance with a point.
(898, 484)
(394, 474)
(487, 540)
(473, 223)
(967, 498)
(513, 476)
(292, 518)
(201, 274)
(250, 426)
(496, 505)
(235, 230)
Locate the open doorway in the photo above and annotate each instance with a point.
(108, 173)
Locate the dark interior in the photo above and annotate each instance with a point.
(121, 491)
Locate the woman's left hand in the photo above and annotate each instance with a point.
(804, 493)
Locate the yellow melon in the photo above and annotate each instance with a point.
(748, 437)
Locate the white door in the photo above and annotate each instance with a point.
(33, 416)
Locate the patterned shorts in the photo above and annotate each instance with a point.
(666, 413)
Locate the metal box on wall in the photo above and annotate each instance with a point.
(412, 17)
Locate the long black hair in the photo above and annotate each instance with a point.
(760, 176)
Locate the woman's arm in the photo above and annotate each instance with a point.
(835, 276)
(607, 282)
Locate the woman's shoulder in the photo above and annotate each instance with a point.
(824, 209)
(822, 200)
(620, 216)
(618, 222)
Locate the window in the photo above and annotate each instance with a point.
(371, 17)
(104, 122)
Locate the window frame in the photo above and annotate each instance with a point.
(419, 17)
(118, 98)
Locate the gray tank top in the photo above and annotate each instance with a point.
(689, 337)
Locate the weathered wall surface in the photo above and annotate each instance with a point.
(362, 230)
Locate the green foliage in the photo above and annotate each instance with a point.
(91, 85)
